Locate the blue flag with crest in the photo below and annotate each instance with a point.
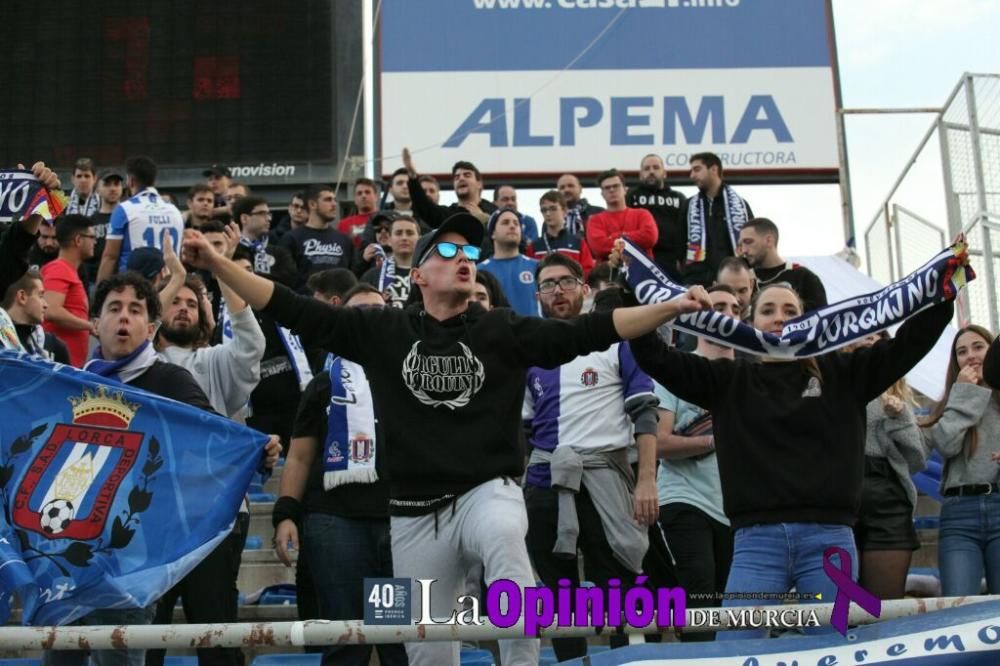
(110, 494)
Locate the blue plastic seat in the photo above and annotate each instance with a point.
(476, 658)
(300, 659)
(181, 661)
(254, 543)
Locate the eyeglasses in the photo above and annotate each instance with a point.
(568, 283)
(549, 209)
(450, 250)
(265, 213)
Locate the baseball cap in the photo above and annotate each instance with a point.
(463, 224)
(147, 261)
(216, 170)
(108, 174)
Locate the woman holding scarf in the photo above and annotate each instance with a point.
(965, 428)
(790, 440)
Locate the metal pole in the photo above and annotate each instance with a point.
(846, 202)
(899, 241)
(977, 164)
(888, 240)
(953, 210)
(912, 109)
(920, 146)
(356, 632)
(868, 251)
(368, 72)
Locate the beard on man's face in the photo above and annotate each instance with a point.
(182, 336)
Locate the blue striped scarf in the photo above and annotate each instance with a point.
(817, 331)
(349, 449)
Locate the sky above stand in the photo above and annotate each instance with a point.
(893, 54)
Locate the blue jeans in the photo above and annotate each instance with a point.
(969, 544)
(341, 553)
(103, 657)
(775, 558)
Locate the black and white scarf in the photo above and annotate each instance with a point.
(736, 216)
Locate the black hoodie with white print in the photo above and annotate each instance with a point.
(449, 392)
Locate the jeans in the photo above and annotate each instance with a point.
(774, 558)
(103, 657)
(342, 552)
(969, 544)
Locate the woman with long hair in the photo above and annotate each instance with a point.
(790, 441)
(965, 427)
(894, 450)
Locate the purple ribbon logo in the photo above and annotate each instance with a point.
(847, 589)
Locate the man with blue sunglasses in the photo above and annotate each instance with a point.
(449, 376)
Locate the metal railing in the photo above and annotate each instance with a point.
(954, 183)
(356, 632)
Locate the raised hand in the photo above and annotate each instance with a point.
(408, 163)
(693, 300)
(196, 251)
(45, 175)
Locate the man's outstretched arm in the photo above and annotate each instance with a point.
(199, 253)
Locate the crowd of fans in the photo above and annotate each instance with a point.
(399, 410)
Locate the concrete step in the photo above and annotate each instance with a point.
(927, 554)
(261, 568)
(260, 521)
(927, 506)
(272, 484)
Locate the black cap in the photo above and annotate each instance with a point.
(463, 224)
(216, 170)
(147, 261)
(108, 174)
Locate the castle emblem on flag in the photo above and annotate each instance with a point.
(72, 482)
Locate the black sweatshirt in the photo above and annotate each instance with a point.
(449, 392)
(783, 456)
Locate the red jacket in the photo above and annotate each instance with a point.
(352, 227)
(604, 228)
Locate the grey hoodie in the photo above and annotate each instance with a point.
(227, 373)
(898, 440)
(968, 406)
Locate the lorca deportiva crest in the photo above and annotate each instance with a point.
(448, 381)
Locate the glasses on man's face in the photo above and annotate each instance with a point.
(549, 209)
(567, 283)
(450, 250)
(266, 214)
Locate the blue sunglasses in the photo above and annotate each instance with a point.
(450, 250)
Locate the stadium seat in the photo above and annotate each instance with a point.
(253, 543)
(20, 662)
(300, 659)
(181, 661)
(476, 657)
